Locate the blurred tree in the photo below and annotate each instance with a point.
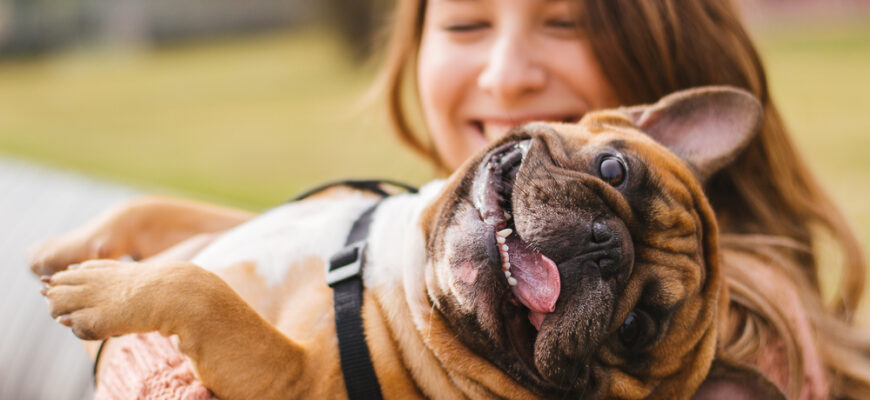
(359, 22)
(34, 27)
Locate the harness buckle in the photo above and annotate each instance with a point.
(346, 263)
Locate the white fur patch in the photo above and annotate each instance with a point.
(287, 235)
(293, 232)
(396, 248)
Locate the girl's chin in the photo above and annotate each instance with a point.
(469, 141)
(477, 139)
(456, 152)
(486, 136)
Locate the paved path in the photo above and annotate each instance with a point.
(40, 359)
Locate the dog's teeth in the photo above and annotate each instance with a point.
(506, 266)
(505, 232)
(500, 240)
(512, 281)
(507, 274)
(507, 215)
(504, 247)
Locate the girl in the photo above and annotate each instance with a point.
(477, 67)
(483, 66)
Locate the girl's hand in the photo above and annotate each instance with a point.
(139, 229)
(104, 237)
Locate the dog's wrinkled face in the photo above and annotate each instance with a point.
(579, 259)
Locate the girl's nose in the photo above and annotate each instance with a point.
(510, 71)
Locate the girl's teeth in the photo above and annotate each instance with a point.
(505, 232)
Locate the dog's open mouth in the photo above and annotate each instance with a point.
(533, 277)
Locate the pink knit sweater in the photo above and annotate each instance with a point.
(147, 366)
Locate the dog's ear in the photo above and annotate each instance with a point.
(735, 381)
(706, 126)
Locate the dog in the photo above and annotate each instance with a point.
(564, 261)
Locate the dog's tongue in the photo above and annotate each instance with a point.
(538, 284)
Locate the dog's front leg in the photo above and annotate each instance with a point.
(229, 343)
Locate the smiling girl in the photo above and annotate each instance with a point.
(482, 66)
(476, 68)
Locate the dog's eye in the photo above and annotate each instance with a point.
(635, 330)
(612, 170)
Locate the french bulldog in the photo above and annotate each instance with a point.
(564, 261)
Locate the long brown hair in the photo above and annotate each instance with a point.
(767, 202)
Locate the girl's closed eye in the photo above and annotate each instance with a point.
(567, 28)
(561, 18)
(466, 27)
(562, 23)
(459, 17)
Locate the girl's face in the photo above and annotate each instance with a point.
(487, 65)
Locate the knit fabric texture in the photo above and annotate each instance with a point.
(147, 366)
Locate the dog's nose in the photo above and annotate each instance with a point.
(601, 233)
(607, 247)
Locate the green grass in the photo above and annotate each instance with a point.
(820, 78)
(251, 121)
(246, 122)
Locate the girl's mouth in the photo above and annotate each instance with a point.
(493, 129)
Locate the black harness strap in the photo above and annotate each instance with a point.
(344, 275)
(375, 186)
(345, 278)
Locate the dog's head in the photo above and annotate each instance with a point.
(581, 259)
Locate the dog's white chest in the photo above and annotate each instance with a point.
(280, 238)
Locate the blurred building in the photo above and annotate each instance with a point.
(37, 26)
(29, 27)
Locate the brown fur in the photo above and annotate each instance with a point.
(692, 333)
(251, 340)
(767, 195)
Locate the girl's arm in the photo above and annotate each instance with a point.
(139, 229)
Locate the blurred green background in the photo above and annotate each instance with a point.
(248, 121)
(250, 117)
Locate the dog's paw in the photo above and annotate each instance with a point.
(102, 298)
(96, 299)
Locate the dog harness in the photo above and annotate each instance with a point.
(344, 276)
